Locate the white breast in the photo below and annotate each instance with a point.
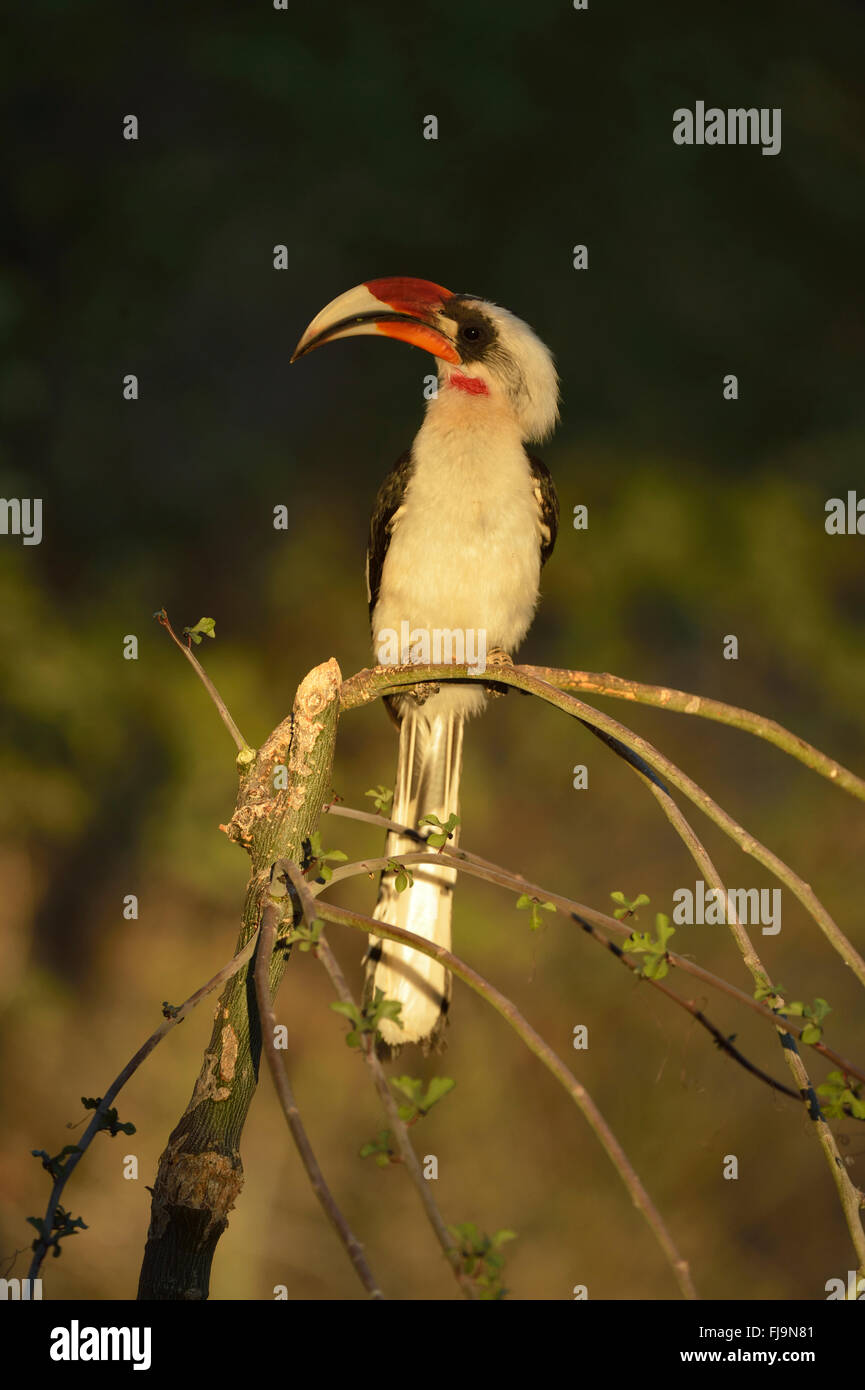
(465, 545)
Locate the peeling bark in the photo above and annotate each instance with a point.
(200, 1174)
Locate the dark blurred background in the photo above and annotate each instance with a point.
(260, 127)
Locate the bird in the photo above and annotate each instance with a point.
(460, 530)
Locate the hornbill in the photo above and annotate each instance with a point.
(461, 528)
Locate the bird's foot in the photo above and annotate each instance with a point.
(497, 656)
(423, 692)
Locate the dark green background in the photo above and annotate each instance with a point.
(304, 128)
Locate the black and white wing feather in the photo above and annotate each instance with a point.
(548, 505)
(385, 515)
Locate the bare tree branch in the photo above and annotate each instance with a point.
(269, 826)
(246, 753)
(200, 1172)
(174, 1017)
(684, 703)
(309, 911)
(462, 860)
(851, 1199)
(270, 919)
(535, 1043)
(371, 684)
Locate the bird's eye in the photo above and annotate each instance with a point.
(473, 334)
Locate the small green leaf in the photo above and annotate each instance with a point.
(382, 797)
(316, 860)
(815, 1013)
(403, 875)
(535, 905)
(656, 965)
(819, 1010)
(440, 837)
(350, 1011)
(628, 908)
(205, 627)
(842, 1097)
(438, 1088)
(656, 968)
(380, 1148)
(764, 992)
(389, 1009)
(420, 1104)
(481, 1259)
(307, 937)
(408, 1086)
(367, 1020)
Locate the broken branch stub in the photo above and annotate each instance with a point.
(200, 1174)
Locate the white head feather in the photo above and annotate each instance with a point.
(516, 366)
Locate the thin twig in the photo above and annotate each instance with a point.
(721, 1042)
(242, 745)
(370, 685)
(462, 860)
(309, 912)
(270, 919)
(400, 1133)
(851, 1199)
(681, 701)
(684, 703)
(518, 886)
(177, 1016)
(335, 808)
(578, 1093)
(746, 842)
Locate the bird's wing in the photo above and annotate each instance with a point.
(548, 505)
(384, 516)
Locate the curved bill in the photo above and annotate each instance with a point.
(397, 307)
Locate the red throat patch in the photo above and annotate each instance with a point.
(472, 385)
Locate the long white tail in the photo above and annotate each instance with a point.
(427, 783)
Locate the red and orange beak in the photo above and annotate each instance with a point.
(398, 307)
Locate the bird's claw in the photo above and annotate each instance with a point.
(423, 692)
(497, 656)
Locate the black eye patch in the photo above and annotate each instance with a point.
(479, 332)
(475, 333)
